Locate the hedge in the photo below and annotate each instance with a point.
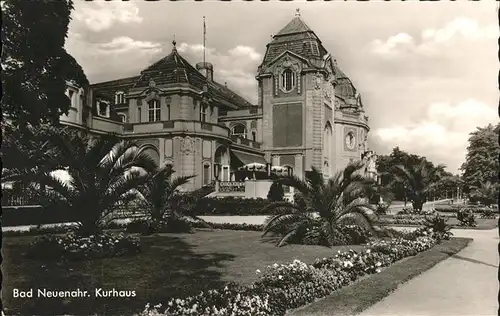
(456, 208)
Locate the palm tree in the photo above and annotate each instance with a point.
(103, 173)
(341, 199)
(418, 179)
(160, 197)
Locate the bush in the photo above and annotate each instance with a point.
(230, 206)
(382, 208)
(169, 225)
(72, 246)
(489, 213)
(466, 218)
(276, 192)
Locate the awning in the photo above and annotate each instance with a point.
(245, 158)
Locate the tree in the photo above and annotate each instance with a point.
(481, 163)
(160, 198)
(104, 172)
(486, 194)
(35, 65)
(386, 163)
(418, 180)
(276, 192)
(341, 199)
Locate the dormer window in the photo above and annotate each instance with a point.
(119, 97)
(287, 80)
(203, 112)
(154, 111)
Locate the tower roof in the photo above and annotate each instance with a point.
(296, 25)
(296, 37)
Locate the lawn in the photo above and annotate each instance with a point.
(170, 265)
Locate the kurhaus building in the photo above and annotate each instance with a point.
(308, 113)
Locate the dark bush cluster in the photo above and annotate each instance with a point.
(231, 206)
(466, 218)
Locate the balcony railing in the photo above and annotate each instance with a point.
(231, 186)
(245, 141)
(178, 126)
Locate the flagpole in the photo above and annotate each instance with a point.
(204, 39)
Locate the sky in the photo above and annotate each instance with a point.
(427, 71)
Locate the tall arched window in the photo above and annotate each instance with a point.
(288, 80)
(239, 130)
(327, 149)
(254, 136)
(206, 173)
(154, 111)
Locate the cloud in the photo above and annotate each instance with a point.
(433, 41)
(122, 56)
(100, 16)
(236, 66)
(442, 134)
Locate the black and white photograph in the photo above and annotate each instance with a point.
(250, 158)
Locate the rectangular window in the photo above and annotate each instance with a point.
(168, 112)
(206, 174)
(154, 111)
(139, 113)
(203, 113)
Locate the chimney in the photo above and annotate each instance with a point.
(206, 69)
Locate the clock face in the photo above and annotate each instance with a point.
(350, 141)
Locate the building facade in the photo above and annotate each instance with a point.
(308, 112)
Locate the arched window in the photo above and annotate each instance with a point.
(287, 80)
(206, 174)
(327, 149)
(119, 97)
(254, 136)
(123, 117)
(168, 101)
(239, 130)
(154, 111)
(103, 108)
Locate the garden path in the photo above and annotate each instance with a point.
(464, 284)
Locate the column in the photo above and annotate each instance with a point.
(299, 164)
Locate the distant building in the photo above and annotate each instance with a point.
(308, 113)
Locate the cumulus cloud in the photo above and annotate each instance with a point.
(443, 133)
(100, 15)
(236, 66)
(129, 56)
(432, 41)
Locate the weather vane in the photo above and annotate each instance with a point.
(298, 12)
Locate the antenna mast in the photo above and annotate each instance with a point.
(204, 39)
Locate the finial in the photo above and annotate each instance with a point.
(298, 12)
(174, 43)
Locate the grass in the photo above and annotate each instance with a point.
(367, 291)
(170, 265)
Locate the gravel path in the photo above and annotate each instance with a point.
(464, 284)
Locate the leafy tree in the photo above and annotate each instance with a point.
(35, 65)
(385, 167)
(339, 200)
(161, 200)
(104, 173)
(481, 163)
(486, 194)
(418, 179)
(276, 192)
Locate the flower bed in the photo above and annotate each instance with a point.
(74, 247)
(287, 286)
(403, 220)
(475, 208)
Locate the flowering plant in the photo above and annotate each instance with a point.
(286, 286)
(73, 246)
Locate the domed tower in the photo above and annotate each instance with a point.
(296, 83)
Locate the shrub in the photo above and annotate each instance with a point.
(168, 225)
(466, 218)
(276, 192)
(489, 213)
(382, 208)
(231, 206)
(438, 224)
(73, 246)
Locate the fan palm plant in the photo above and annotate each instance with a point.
(161, 200)
(341, 199)
(103, 173)
(486, 194)
(419, 180)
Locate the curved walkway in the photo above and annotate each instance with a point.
(464, 284)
